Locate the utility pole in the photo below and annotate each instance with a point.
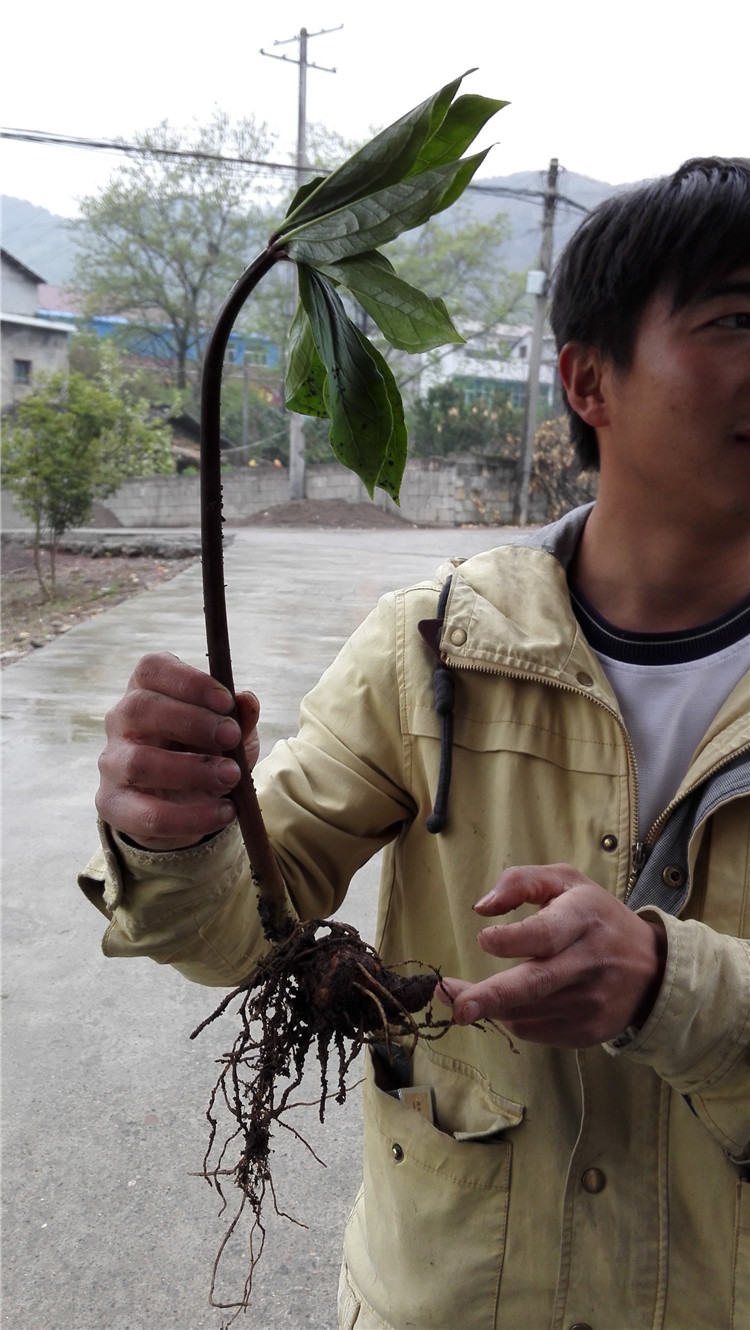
(245, 399)
(296, 425)
(537, 283)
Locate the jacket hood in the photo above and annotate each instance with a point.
(508, 609)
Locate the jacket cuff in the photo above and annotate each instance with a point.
(119, 864)
(194, 909)
(699, 1028)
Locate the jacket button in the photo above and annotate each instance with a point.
(458, 637)
(673, 876)
(609, 843)
(584, 678)
(397, 1153)
(579, 1325)
(593, 1181)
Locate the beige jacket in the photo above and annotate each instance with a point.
(599, 1189)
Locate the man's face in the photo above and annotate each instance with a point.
(678, 420)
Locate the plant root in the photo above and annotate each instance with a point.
(322, 988)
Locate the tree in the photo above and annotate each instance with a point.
(266, 421)
(75, 439)
(444, 422)
(165, 237)
(556, 472)
(462, 262)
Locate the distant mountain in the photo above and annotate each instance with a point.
(40, 239)
(525, 215)
(47, 243)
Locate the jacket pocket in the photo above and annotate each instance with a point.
(741, 1274)
(426, 1240)
(349, 1305)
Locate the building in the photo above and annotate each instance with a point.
(495, 361)
(149, 342)
(30, 344)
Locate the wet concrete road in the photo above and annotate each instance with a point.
(104, 1094)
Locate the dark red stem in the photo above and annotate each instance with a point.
(275, 909)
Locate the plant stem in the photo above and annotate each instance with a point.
(275, 909)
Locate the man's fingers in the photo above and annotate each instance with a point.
(164, 673)
(248, 712)
(448, 990)
(555, 927)
(173, 754)
(164, 799)
(521, 986)
(149, 768)
(143, 715)
(532, 884)
(162, 824)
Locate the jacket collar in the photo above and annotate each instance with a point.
(509, 612)
(509, 609)
(559, 538)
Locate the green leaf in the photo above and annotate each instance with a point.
(383, 161)
(459, 128)
(303, 192)
(356, 394)
(332, 230)
(305, 371)
(372, 221)
(408, 318)
(464, 173)
(394, 461)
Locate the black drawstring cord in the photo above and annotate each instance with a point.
(444, 699)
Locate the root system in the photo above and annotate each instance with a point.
(322, 990)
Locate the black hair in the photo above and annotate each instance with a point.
(676, 235)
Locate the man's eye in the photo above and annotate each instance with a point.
(739, 320)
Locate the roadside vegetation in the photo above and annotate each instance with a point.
(72, 439)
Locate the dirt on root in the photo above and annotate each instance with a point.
(85, 585)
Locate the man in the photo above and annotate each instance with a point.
(598, 812)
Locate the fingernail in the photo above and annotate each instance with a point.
(229, 772)
(486, 900)
(228, 734)
(226, 812)
(470, 1012)
(221, 700)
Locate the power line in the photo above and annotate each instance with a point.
(136, 149)
(504, 191)
(194, 154)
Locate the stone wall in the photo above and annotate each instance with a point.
(435, 492)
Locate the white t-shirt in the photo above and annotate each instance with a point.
(667, 693)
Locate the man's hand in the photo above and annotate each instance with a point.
(591, 966)
(164, 773)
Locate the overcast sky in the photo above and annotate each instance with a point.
(617, 91)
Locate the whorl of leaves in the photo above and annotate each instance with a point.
(408, 173)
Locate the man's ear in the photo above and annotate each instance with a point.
(581, 374)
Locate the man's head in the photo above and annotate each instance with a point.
(672, 237)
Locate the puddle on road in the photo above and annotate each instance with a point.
(52, 724)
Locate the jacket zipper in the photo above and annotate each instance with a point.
(640, 849)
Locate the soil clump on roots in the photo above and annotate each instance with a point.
(322, 990)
